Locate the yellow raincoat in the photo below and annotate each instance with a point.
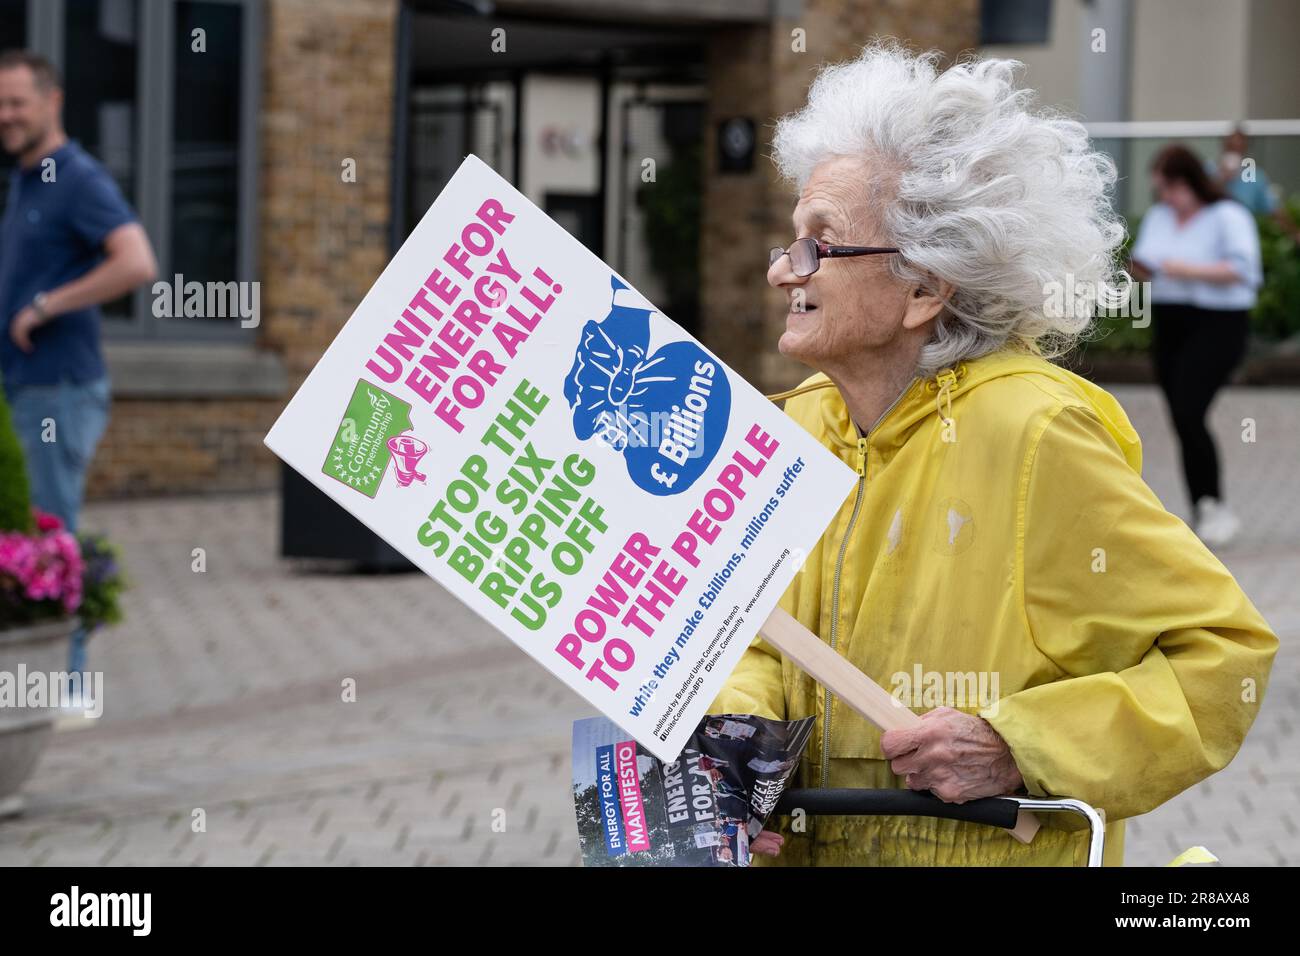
(1000, 530)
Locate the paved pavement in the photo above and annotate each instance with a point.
(225, 700)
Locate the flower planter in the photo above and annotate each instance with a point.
(25, 731)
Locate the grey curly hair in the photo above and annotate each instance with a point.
(972, 186)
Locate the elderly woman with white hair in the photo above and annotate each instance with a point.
(1001, 564)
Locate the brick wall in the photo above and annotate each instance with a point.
(327, 95)
(173, 447)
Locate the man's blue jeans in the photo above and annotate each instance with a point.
(59, 427)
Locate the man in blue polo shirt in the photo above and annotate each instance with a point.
(68, 242)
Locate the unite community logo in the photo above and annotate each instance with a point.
(103, 909)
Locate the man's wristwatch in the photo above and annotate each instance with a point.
(39, 302)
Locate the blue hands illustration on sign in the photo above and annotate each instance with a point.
(666, 412)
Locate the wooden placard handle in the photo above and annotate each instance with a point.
(863, 695)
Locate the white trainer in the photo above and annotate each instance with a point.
(1216, 525)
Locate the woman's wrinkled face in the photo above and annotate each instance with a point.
(849, 307)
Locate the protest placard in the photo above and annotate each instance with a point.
(525, 427)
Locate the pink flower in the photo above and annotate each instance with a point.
(46, 566)
(46, 521)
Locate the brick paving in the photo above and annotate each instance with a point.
(225, 703)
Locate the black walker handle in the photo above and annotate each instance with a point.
(990, 811)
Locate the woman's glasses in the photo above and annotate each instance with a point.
(806, 254)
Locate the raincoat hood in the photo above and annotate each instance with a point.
(925, 398)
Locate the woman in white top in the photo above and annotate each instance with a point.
(1200, 250)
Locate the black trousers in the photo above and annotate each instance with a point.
(1195, 351)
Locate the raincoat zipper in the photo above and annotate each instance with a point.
(835, 585)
